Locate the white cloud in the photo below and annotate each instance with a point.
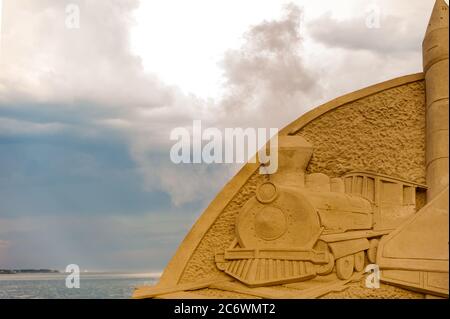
(394, 35)
(44, 61)
(47, 68)
(183, 41)
(267, 86)
(268, 83)
(279, 69)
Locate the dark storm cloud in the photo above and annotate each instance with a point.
(66, 177)
(57, 82)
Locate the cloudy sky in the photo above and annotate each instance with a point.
(86, 108)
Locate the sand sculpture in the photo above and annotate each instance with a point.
(362, 180)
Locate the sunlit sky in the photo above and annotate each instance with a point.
(184, 41)
(85, 113)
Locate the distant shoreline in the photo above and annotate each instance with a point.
(28, 271)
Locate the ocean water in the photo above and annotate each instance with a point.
(92, 286)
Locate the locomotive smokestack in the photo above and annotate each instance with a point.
(294, 153)
(435, 64)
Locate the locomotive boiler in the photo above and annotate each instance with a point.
(298, 226)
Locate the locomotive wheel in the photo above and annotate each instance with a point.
(372, 252)
(359, 261)
(344, 267)
(328, 268)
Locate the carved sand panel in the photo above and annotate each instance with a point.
(361, 179)
(384, 133)
(220, 235)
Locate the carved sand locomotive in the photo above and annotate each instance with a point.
(298, 226)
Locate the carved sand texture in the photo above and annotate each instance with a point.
(384, 133)
(395, 136)
(220, 235)
(222, 294)
(358, 290)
